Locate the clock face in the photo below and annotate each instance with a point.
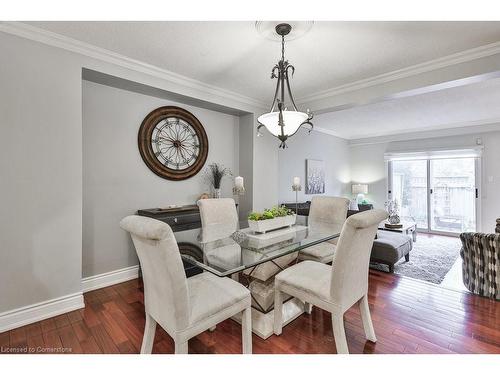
(173, 143)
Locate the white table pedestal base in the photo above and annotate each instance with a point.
(262, 324)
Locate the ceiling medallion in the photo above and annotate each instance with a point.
(267, 29)
(280, 121)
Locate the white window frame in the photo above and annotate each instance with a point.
(428, 155)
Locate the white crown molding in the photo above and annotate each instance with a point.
(443, 62)
(40, 311)
(73, 45)
(446, 130)
(327, 131)
(110, 278)
(60, 41)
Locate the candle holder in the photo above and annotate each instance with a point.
(238, 187)
(237, 190)
(296, 188)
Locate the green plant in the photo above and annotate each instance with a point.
(255, 216)
(270, 213)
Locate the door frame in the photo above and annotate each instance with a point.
(478, 195)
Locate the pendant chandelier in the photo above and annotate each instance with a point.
(281, 121)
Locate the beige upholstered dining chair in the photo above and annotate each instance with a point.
(183, 307)
(337, 287)
(219, 218)
(326, 213)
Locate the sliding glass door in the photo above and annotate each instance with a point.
(453, 195)
(439, 194)
(409, 188)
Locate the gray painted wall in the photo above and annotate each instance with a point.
(368, 166)
(40, 173)
(265, 169)
(116, 182)
(246, 130)
(292, 162)
(41, 163)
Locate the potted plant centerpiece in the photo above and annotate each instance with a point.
(271, 219)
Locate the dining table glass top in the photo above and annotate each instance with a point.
(245, 249)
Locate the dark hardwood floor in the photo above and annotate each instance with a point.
(409, 317)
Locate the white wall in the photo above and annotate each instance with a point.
(116, 181)
(332, 150)
(367, 166)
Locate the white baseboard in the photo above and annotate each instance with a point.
(40, 311)
(57, 306)
(109, 278)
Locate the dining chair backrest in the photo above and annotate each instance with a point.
(165, 283)
(219, 218)
(349, 281)
(328, 211)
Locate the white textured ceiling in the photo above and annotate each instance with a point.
(450, 108)
(232, 55)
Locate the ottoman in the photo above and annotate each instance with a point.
(389, 247)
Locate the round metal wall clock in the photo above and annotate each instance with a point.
(173, 143)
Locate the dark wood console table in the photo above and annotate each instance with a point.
(179, 218)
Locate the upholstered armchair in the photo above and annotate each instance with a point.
(481, 263)
(183, 307)
(337, 287)
(325, 213)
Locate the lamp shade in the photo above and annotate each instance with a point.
(360, 189)
(291, 120)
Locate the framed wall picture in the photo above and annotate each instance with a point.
(315, 176)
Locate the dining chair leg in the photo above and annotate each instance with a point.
(308, 308)
(181, 347)
(339, 333)
(246, 330)
(149, 335)
(364, 309)
(278, 312)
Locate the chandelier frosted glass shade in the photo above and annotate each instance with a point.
(292, 120)
(279, 121)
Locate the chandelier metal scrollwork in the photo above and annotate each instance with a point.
(280, 121)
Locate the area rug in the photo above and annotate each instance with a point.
(430, 259)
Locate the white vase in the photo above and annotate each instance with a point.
(217, 193)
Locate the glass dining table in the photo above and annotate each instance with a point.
(245, 249)
(253, 260)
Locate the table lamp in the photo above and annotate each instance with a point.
(296, 187)
(360, 190)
